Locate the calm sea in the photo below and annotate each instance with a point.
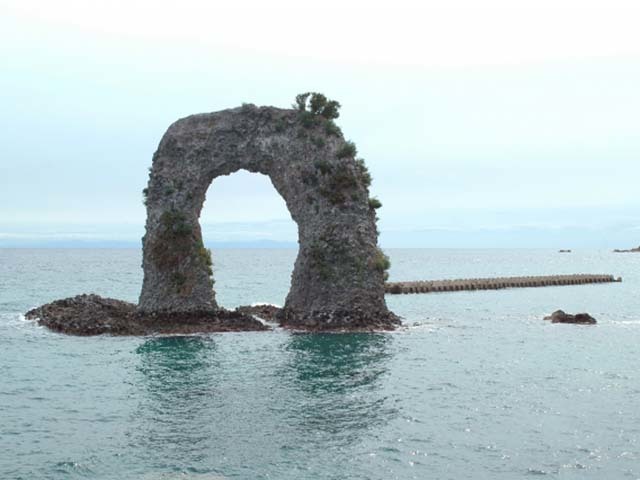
(477, 386)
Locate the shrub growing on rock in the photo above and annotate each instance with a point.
(317, 104)
(347, 150)
(301, 101)
(339, 186)
(382, 263)
(364, 172)
(374, 203)
(331, 110)
(176, 223)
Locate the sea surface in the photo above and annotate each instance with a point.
(476, 385)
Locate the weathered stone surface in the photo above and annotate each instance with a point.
(94, 315)
(338, 278)
(559, 316)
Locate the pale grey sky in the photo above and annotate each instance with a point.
(496, 126)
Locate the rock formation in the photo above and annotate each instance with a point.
(338, 278)
(560, 316)
(94, 315)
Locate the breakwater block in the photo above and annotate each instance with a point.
(497, 283)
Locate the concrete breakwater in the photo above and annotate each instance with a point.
(496, 283)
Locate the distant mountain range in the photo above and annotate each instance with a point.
(282, 234)
(103, 243)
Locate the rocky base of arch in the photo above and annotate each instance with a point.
(353, 320)
(87, 315)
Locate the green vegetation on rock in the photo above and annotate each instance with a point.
(178, 279)
(364, 172)
(381, 263)
(323, 166)
(176, 223)
(339, 186)
(280, 125)
(316, 109)
(318, 105)
(205, 255)
(374, 203)
(347, 150)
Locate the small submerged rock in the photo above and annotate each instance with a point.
(559, 316)
(95, 315)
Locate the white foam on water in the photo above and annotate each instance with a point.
(626, 322)
(415, 327)
(17, 321)
(259, 304)
(182, 476)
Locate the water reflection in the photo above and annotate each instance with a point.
(341, 383)
(176, 363)
(178, 385)
(225, 404)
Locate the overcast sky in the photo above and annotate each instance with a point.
(501, 126)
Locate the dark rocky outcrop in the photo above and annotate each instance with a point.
(340, 321)
(94, 315)
(339, 275)
(560, 316)
(352, 320)
(86, 315)
(631, 250)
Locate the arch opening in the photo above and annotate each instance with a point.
(253, 239)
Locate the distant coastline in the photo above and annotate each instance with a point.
(631, 250)
(138, 244)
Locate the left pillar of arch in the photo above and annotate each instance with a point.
(177, 266)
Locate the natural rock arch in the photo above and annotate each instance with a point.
(338, 277)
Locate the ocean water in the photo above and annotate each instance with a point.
(476, 385)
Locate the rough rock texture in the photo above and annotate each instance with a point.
(560, 316)
(338, 278)
(271, 313)
(95, 315)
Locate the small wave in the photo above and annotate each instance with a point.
(18, 321)
(258, 304)
(182, 476)
(73, 467)
(427, 325)
(536, 471)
